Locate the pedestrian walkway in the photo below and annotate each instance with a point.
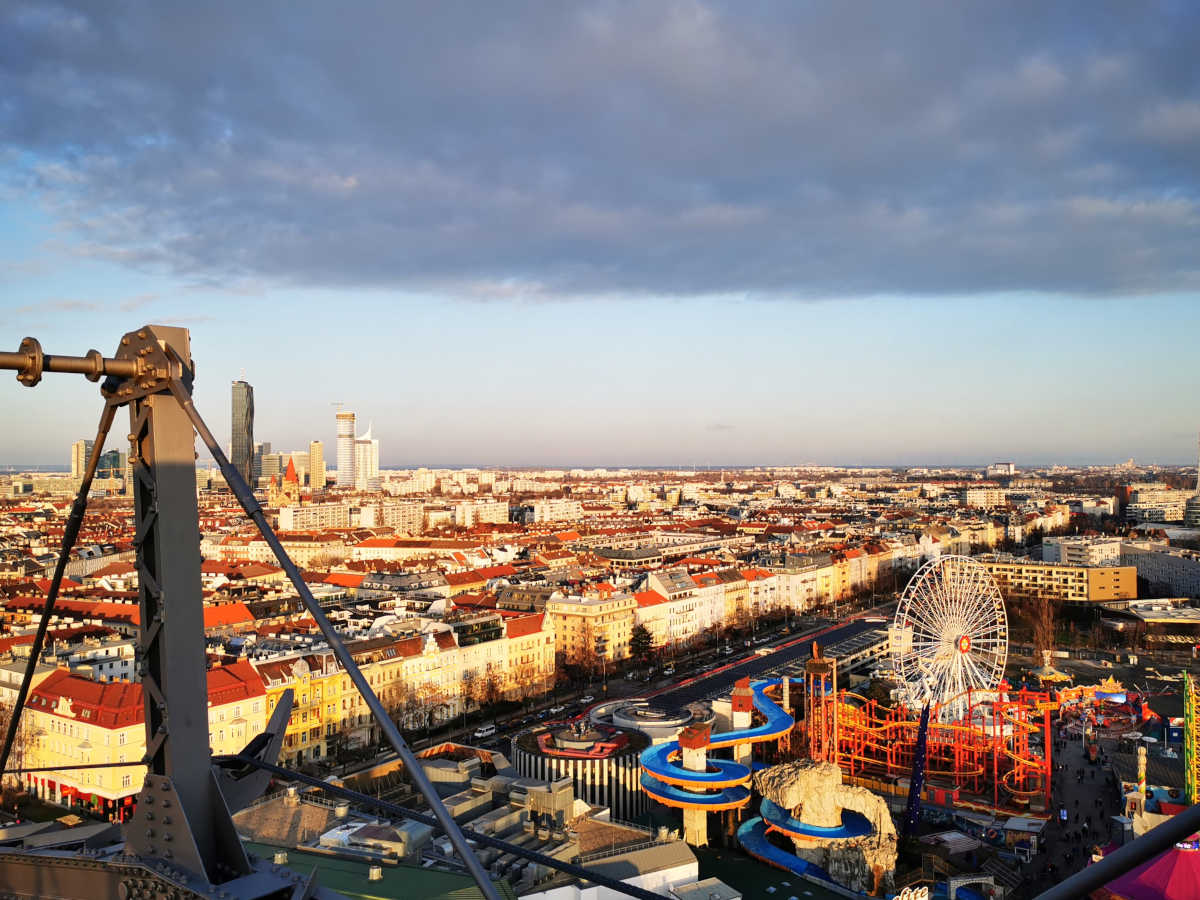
(1090, 799)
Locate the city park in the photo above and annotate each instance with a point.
(846, 786)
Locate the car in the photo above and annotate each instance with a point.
(668, 670)
(556, 710)
(586, 699)
(728, 651)
(484, 731)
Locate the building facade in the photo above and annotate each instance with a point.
(316, 466)
(1021, 579)
(345, 449)
(241, 441)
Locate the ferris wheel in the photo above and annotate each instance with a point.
(950, 635)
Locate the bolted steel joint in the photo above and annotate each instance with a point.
(31, 373)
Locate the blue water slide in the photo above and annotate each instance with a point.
(665, 778)
(752, 835)
(673, 795)
(854, 824)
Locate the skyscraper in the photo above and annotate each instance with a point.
(366, 462)
(345, 449)
(80, 451)
(316, 465)
(1191, 510)
(241, 444)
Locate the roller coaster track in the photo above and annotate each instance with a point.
(881, 736)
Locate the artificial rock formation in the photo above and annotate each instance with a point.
(813, 793)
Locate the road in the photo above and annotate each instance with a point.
(723, 679)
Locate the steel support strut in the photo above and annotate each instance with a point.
(411, 764)
(70, 533)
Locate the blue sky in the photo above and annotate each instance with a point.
(680, 234)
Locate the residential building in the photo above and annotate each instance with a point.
(1022, 579)
(316, 466)
(315, 517)
(1079, 550)
(76, 720)
(1171, 569)
(1156, 503)
(593, 628)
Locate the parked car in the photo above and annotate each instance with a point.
(484, 731)
(556, 710)
(668, 670)
(586, 699)
(727, 651)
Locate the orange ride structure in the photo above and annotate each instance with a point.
(992, 756)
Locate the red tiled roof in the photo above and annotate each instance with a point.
(343, 579)
(649, 598)
(524, 626)
(116, 704)
(227, 614)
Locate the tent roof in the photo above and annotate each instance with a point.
(1172, 875)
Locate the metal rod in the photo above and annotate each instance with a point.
(484, 839)
(1177, 828)
(70, 533)
(93, 365)
(386, 725)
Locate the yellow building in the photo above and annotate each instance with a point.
(1021, 579)
(318, 710)
(590, 628)
(74, 720)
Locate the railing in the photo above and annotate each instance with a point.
(614, 851)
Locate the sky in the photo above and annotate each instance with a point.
(678, 233)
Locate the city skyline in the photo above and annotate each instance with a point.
(788, 236)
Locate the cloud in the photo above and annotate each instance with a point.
(686, 148)
(138, 301)
(63, 306)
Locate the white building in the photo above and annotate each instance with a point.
(1001, 469)
(1172, 567)
(316, 517)
(366, 462)
(1082, 551)
(345, 449)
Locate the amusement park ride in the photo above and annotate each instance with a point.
(180, 841)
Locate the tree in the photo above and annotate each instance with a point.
(468, 691)
(641, 643)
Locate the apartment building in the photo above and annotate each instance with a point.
(1173, 569)
(1022, 579)
(317, 516)
(74, 720)
(1078, 550)
(593, 627)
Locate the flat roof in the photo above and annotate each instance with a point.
(349, 877)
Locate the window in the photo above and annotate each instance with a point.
(121, 739)
(126, 781)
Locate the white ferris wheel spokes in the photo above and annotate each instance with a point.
(950, 635)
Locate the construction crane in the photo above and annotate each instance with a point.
(180, 841)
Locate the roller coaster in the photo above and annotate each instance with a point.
(988, 758)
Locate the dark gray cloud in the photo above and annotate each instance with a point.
(536, 150)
